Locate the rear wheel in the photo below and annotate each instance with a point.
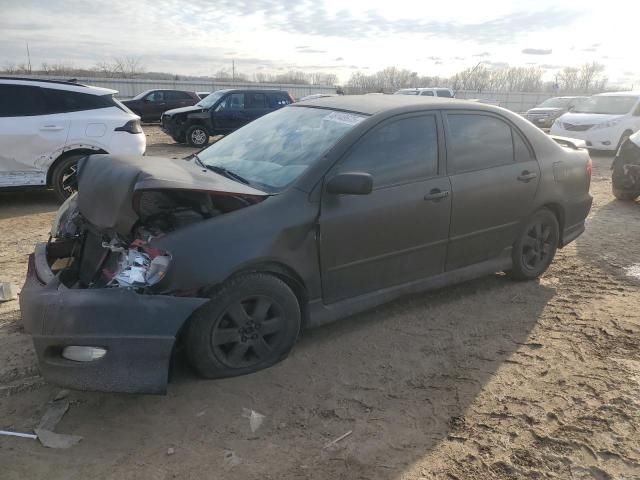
(197, 136)
(251, 323)
(534, 250)
(64, 178)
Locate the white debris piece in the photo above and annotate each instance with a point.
(7, 292)
(255, 418)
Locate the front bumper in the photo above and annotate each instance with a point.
(541, 121)
(598, 139)
(138, 331)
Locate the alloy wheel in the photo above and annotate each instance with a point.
(198, 137)
(537, 245)
(70, 179)
(248, 332)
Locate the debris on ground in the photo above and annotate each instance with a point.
(53, 415)
(171, 451)
(340, 438)
(231, 460)
(255, 418)
(61, 395)
(18, 434)
(7, 292)
(56, 440)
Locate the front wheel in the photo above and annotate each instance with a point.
(535, 248)
(250, 323)
(64, 178)
(624, 194)
(197, 136)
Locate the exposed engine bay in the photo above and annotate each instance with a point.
(87, 257)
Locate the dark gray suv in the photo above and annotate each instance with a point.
(309, 214)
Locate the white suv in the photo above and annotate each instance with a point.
(47, 126)
(604, 121)
(427, 92)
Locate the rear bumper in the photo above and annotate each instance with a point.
(138, 332)
(575, 219)
(125, 143)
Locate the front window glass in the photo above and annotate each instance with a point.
(234, 101)
(607, 105)
(210, 100)
(556, 103)
(274, 150)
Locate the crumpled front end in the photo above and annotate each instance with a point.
(94, 299)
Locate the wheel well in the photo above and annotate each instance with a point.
(558, 211)
(79, 151)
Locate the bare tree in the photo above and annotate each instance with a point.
(590, 76)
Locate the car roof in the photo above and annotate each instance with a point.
(618, 94)
(373, 104)
(57, 85)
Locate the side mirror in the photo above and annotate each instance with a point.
(353, 183)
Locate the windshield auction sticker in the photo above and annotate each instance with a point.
(343, 117)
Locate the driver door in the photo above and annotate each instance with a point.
(230, 114)
(398, 233)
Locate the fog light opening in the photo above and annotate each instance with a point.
(83, 354)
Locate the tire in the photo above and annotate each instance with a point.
(179, 139)
(534, 250)
(624, 195)
(227, 338)
(64, 177)
(197, 136)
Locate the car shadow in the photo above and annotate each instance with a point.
(399, 378)
(16, 203)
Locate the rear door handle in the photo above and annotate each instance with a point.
(436, 195)
(527, 176)
(52, 128)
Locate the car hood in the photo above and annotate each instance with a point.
(587, 118)
(544, 110)
(190, 109)
(107, 184)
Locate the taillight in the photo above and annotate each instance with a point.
(132, 126)
(589, 167)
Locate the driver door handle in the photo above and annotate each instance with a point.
(436, 195)
(52, 128)
(527, 176)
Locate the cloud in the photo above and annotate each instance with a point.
(482, 54)
(537, 51)
(338, 59)
(310, 50)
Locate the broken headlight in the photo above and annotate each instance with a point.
(139, 266)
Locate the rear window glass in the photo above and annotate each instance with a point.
(60, 101)
(478, 142)
(443, 92)
(280, 99)
(21, 101)
(426, 93)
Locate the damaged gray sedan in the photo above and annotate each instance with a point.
(309, 214)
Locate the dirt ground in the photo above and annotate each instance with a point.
(488, 379)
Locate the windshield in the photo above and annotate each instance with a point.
(274, 150)
(210, 99)
(556, 103)
(607, 105)
(140, 96)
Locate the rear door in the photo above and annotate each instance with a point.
(494, 178)
(398, 233)
(177, 99)
(256, 104)
(30, 138)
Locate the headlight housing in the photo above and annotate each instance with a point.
(608, 124)
(64, 224)
(139, 266)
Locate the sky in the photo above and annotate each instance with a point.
(333, 36)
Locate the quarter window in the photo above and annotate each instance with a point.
(61, 101)
(398, 151)
(478, 142)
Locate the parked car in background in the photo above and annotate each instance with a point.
(220, 113)
(47, 126)
(314, 96)
(427, 92)
(203, 95)
(311, 213)
(150, 105)
(604, 121)
(625, 178)
(545, 114)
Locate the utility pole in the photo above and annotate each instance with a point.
(233, 70)
(28, 59)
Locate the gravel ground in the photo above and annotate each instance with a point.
(488, 379)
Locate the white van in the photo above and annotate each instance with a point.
(427, 92)
(603, 121)
(47, 126)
